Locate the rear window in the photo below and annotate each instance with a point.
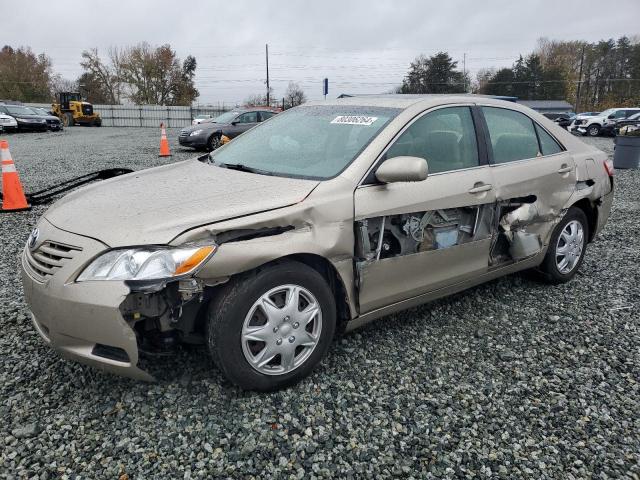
(512, 135)
(548, 144)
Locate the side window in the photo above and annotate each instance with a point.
(266, 115)
(249, 117)
(446, 138)
(548, 144)
(512, 135)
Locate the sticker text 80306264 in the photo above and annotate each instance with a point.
(354, 120)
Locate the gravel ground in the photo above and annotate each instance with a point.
(511, 379)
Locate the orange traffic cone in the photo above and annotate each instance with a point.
(164, 143)
(12, 193)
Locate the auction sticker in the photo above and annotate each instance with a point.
(354, 120)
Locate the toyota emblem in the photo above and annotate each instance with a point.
(33, 238)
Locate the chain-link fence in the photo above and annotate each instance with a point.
(148, 115)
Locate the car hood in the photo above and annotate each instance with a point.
(19, 115)
(154, 206)
(205, 125)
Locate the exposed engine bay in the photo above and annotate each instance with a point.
(162, 319)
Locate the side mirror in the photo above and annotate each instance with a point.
(613, 115)
(402, 169)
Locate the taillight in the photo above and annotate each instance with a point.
(608, 166)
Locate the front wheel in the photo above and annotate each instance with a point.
(593, 130)
(67, 119)
(214, 142)
(269, 328)
(567, 247)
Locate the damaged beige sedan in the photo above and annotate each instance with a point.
(321, 219)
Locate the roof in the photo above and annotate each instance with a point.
(551, 104)
(399, 100)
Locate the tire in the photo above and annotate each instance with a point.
(97, 123)
(551, 270)
(593, 130)
(214, 142)
(239, 308)
(67, 119)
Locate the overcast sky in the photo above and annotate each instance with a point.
(361, 46)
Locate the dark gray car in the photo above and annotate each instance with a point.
(210, 134)
(53, 122)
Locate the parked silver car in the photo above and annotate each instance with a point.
(322, 219)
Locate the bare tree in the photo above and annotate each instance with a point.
(145, 74)
(106, 75)
(155, 76)
(294, 96)
(258, 99)
(59, 84)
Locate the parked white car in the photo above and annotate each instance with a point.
(8, 123)
(200, 118)
(601, 123)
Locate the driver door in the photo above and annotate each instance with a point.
(242, 123)
(416, 237)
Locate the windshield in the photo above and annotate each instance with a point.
(309, 142)
(16, 110)
(38, 111)
(226, 117)
(606, 113)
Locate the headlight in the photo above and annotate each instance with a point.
(146, 263)
(195, 132)
(20, 119)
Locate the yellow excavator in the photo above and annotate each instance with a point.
(73, 111)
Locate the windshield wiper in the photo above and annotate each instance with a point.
(240, 167)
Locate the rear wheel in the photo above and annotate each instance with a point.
(593, 130)
(269, 328)
(567, 247)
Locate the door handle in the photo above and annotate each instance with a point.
(565, 169)
(481, 187)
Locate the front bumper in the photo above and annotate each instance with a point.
(32, 127)
(197, 141)
(54, 126)
(607, 129)
(80, 321)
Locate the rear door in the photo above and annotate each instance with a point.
(415, 237)
(264, 115)
(527, 161)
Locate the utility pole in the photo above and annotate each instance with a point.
(579, 81)
(267, 56)
(464, 71)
